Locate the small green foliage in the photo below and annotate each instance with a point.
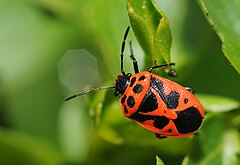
(213, 103)
(224, 15)
(152, 30)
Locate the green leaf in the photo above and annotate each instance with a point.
(159, 161)
(151, 29)
(215, 103)
(224, 15)
(217, 143)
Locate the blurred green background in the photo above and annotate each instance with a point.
(52, 49)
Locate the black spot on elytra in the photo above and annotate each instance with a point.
(160, 122)
(137, 88)
(149, 103)
(169, 130)
(171, 100)
(125, 109)
(185, 101)
(132, 81)
(123, 99)
(141, 78)
(130, 101)
(188, 120)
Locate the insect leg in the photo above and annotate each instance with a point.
(160, 66)
(171, 73)
(196, 133)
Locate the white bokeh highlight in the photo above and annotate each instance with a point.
(77, 68)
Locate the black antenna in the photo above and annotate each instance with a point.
(123, 47)
(135, 64)
(89, 91)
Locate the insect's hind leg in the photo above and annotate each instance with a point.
(196, 133)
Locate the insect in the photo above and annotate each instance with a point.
(156, 103)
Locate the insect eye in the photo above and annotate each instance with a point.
(129, 75)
